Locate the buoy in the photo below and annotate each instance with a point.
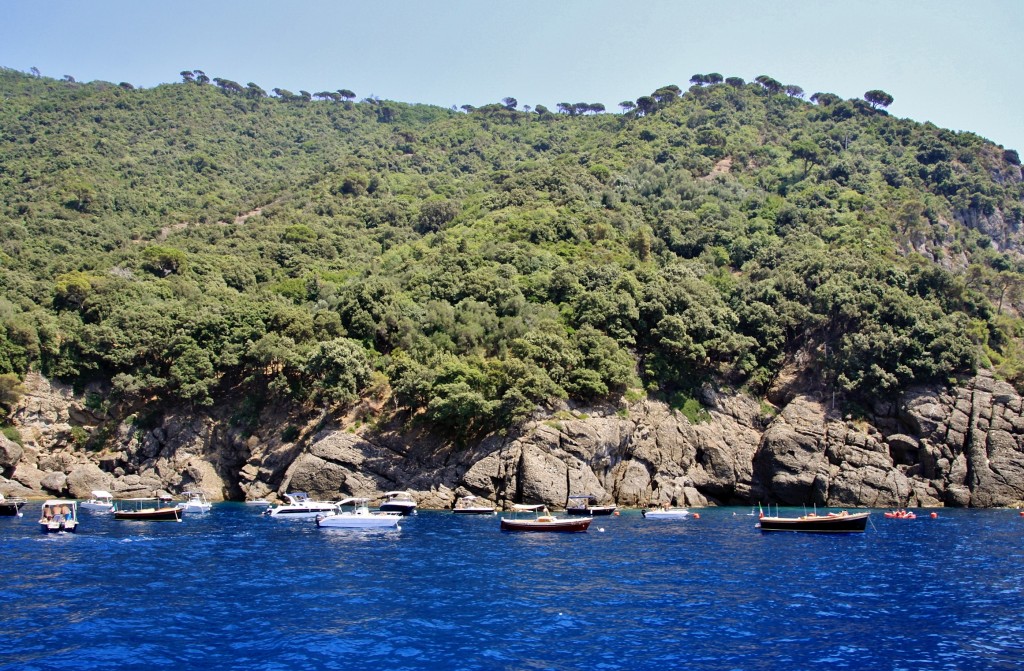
(934, 515)
(601, 529)
(1022, 513)
(696, 516)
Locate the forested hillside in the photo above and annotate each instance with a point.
(202, 241)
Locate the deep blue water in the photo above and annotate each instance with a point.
(233, 590)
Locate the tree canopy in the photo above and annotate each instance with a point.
(191, 243)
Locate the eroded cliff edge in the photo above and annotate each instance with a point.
(932, 447)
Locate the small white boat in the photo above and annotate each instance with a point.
(666, 513)
(102, 501)
(398, 502)
(359, 517)
(257, 502)
(59, 515)
(300, 507)
(472, 505)
(195, 502)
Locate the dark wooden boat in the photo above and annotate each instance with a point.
(542, 522)
(11, 507)
(843, 522)
(150, 509)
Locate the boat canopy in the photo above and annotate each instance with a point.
(352, 501)
(60, 502)
(528, 506)
(101, 494)
(392, 494)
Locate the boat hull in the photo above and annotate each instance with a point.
(96, 506)
(157, 515)
(344, 521)
(670, 514)
(564, 526)
(853, 523)
(52, 527)
(591, 511)
(403, 509)
(473, 511)
(10, 508)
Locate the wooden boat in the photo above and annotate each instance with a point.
(580, 504)
(146, 509)
(11, 507)
(59, 515)
(471, 505)
(542, 522)
(843, 522)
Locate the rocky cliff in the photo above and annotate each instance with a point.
(933, 447)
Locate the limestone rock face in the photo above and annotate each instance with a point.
(962, 446)
(10, 453)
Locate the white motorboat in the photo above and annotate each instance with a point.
(300, 507)
(358, 517)
(101, 501)
(472, 505)
(398, 502)
(59, 515)
(666, 513)
(195, 502)
(257, 502)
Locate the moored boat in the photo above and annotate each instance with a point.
(666, 513)
(542, 520)
(581, 504)
(841, 522)
(149, 509)
(11, 506)
(398, 502)
(359, 517)
(195, 502)
(473, 505)
(300, 507)
(101, 501)
(59, 515)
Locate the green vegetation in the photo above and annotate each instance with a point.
(200, 241)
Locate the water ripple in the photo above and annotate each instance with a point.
(233, 590)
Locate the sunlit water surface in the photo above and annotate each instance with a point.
(234, 590)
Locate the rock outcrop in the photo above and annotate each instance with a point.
(957, 447)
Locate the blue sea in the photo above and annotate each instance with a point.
(231, 589)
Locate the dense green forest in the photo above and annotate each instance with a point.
(202, 241)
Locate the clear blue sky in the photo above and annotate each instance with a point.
(951, 62)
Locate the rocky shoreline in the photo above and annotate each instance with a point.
(933, 447)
